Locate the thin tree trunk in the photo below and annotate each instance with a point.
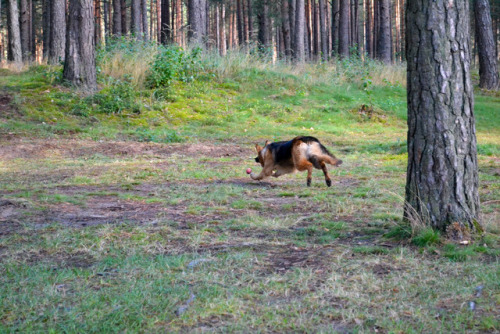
(14, 51)
(488, 67)
(335, 22)
(322, 25)
(106, 18)
(344, 28)
(442, 175)
(285, 16)
(223, 46)
(263, 18)
(144, 19)
(124, 17)
(384, 36)
(79, 67)
(97, 19)
(166, 26)
(58, 35)
(46, 27)
(299, 51)
(368, 25)
(117, 18)
(25, 28)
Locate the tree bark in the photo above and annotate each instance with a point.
(58, 31)
(384, 34)
(144, 19)
(299, 51)
(136, 19)
(25, 29)
(79, 67)
(123, 13)
(166, 27)
(488, 67)
(117, 18)
(223, 46)
(46, 27)
(322, 28)
(368, 22)
(263, 19)
(14, 51)
(344, 28)
(285, 16)
(442, 175)
(197, 21)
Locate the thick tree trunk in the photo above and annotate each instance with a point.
(25, 29)
(79, 67)
(344, 28)
(124, 17)
(250, 19)
(300, 20)
(239, 21)
(166, 29)
(263, 18)
(14, 51)
(117, 18)
(97, 20)
(442, 176)
(58, 35)
(285, 16)
(197, 21)
(488, 67)
(335, 23)
(136, 19)
(384, 34)
(106, 18)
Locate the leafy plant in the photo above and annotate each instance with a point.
(173, 63)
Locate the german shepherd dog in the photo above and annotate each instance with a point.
(299, 154)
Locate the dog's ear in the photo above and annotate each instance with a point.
(258, 148)
(267, 143)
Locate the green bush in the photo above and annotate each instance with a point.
(117, 96)
(173, 63)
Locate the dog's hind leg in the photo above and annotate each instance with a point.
(327, 176)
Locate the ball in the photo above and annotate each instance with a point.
(249, 170)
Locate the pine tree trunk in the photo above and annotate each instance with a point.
(344, 28)
(166, 26)
(46, 27)
(488, 67)
(124, 17)
(368, 34)
(79, 67)
(97, 20)
(442, 176)
(263, 18)
(117, 18)
(322, 25)
(58, 31)
(136, 19)
(384, 35)
(299, 51)
(223, 46)
(14, 50)
(106, 17)
(197, 21)
(24, 29)
(144, 19)
(335, 24)
(285, 16)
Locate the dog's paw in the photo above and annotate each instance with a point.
(329, 183)
(308, 182)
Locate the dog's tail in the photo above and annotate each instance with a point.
(328, 157)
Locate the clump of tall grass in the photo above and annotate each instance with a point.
(136, 59)
(127, 58)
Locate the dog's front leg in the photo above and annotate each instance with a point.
(266, 172)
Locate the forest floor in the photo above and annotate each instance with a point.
(147, 222)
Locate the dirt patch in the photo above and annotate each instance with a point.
(382, 269)
(60, 259)
(71, 148)
(7, 110)
(287, 257)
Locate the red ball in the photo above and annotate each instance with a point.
(249, 170)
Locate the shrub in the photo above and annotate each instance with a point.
(173, 63)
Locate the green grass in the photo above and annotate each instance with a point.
(104, 213)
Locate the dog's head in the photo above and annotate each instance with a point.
(260, 153)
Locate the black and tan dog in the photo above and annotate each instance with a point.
(298, 154)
